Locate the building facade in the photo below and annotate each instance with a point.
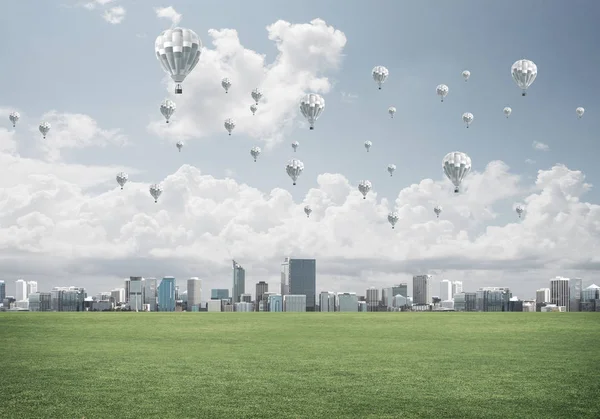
(492, 299)
(559, 292)
(575, 288)
(347, 302)
(194, 293)
(303, 280)
(239, 282)
(457, 287)
(465, 301)
(150, 293)
(275, 302)
(326, 301)
(294, 303)
(40, 301)
(136, 288)
(446, 290)
(21, 290)
(422, 289)
(166, 294)
(542, 296)
(372, 299)
(219, 294)
(261, 288)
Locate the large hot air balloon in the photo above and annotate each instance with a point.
(524, 73)
(255, 152)
(507, 111)
(155, 191)
(456, 166)
(122, 179)
(167, 108)
(580, 111)
(295, 145)
(253, 108)
(466, 74)
(178, 51)
(368, 145)
(391, 111)
(380, 75)
(437, 210)
(14, 118)
(229, 125)
(519, 210)
(44, 128)
(442, 91)
(393, 218)
(307, 211)
(364, 186)
(179, 145)
(467, 118)
(294, 169)
(256, 95)
(226, 84)
(312, 106)
(391, 169)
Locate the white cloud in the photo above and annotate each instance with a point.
(95, 3)
(529, 161)
(306, 52)
(540, 146)
(114, 15)
(168, 13)
(73, 131)
(348, 97)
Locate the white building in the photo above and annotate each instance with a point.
(285, 276)
(422, 289)
(447, 304)
(21, 292)
(118, 295)
(244, 307)
(23, 304)
(457, 287)
(446, 290)
(400, 301)
(529, 306)
(347, 302)
(542, 295)
(294, 303)
(32, 287)
(194, 293)
(327, 301)
(552, 308)
(387, 296)
(214, 305)
(559, 291)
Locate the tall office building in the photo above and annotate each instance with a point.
(492, 299)
(194, 293)
(239, 282)
(150, 290)
(401, 289)
(457, 287)
(542, 295)
(21, 292)
(575, 286)
(118, 295)
(285, 276)
(126, 290)
(166, 294)
(372, 299)
(219, 294)
(32, 287)
(261, 288)
(446, 290)
(347, 302)
(559, 291)
(2, 290)
(326, 301)
(422, 289)
(301, 280)
(590, 298)
(135, 293)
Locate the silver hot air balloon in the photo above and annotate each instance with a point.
(507, 111)
(393, 218)
(295, 145)
(253, 108)
(229, 125)
(467, 118)
(368, 145)
(380, 75)
(312, 106)
(364, 186)
(156, 190)
(307, 211)
(519, 210)
(437, 210)
(580, 111)
(167, 108)
(256, 95)
(391, 111)
(122, 179)
(294, 169)
(524, 73)
(391, 169)
(226, 84)
(466, 74)
(44, 128)
(179, 145)
(255, 152)
(178, 51)
(456, 166)
(442, 91)
(14, 118)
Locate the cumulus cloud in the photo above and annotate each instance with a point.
(529, 161)
(71, 131)
(114, 15)
(540, 146)
(96, 3)
(168, 13)
(305, 53)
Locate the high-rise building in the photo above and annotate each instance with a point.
(135, 293)
(457, 287)
(150, 290)
(32, 287)
(118, 295)
(126, 290)
(401, 288)
(492, 299)
(194, 293)
(294, 303)
(326, 301)
(422, 289)
(590, 298)
(372, 299)
(575, 286)
(347, 302)
(40, 301)
(542, 295)
(166, 294)
(285, 276)
(559, 291)
(239, 282)
(2, 290)
(387, 295)
(219, 294)
(465, 301)
(446, 290)
(261, 288)
(302, 280)
(21, 291)
(67, 299)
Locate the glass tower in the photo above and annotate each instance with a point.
(166, 294)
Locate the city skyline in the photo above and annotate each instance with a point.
(65, 221)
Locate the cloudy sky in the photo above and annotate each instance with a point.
(90, 70)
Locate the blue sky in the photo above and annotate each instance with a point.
(64, 57)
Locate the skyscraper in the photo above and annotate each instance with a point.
(457, 287)
(559, 291)
(542, 295)
(372, 299)
(303, 280)
(239, 282)
(285, 277)
(194, 293)
(166, 294)
(135, 293)
(2, 290)
(422, 289)
(21, 292)
(261, 288)
(126, 290)
(401, 288)
(150, 291)
(32, 287)
(446, 290)
(575, 286)
(219, 294)
(492, 299)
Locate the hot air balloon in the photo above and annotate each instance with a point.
(393, 218)
(467, 118)
(391, 111)
(122, 179)
(179, 145)
(507, 111)
(524, 73)
(456, 166)
(364, 186)
(391, 169)
(442, 91)
(155, 191)
(466, 74)
(256, 95)
(312, 106)
(229, 125)
(253, 108)
(368, 145)
(294, 169)
(44, 128)
(295, 145)
(307, 211)
(255, 152)
(380, 75)
(14, 118)
(178, 51)
(226, 84)
(519, 210)
(580, 111)
(167, 108)
(437, 210)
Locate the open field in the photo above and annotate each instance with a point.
(306, 365)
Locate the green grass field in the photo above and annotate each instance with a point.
(308, 365)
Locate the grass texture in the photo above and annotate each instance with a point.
(299, 365)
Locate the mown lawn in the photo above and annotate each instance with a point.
(305, 365)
